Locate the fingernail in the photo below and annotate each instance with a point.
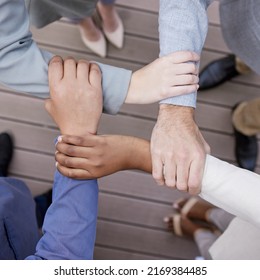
(60, 139)
(56, 164)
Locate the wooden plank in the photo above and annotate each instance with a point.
(134, 211)
(33, 138)
(32, 165)
(138, 185)
(104, 253)
(146, 5)
(136, 49)
(24, 108)
(145, 241)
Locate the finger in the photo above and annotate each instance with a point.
(170, 173)
(157, 166)
(74, 173)
(89, 140)
(181, 80)
(74, 151)
(182, 176)
(195, 177)
(70, 68)
(71, 162)
(183, 68)
(95, 75)
(55, 70)
(181, 90)
(83, 71)
(183, 56)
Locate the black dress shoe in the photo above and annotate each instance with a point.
(246, 150)
(42, 202)
(6, 152)
(218, 72)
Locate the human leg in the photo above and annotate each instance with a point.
(246, 124)
(221, 70)
(202, 235)
(18, 226)
(220, 218)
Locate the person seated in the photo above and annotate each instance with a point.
(217, 233)
(69, 227)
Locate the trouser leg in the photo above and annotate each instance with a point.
(220, 218)
(204, 240)
(18, 225)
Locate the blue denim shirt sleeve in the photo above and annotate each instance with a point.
(183, 26)
(21, 58)
(69, 228)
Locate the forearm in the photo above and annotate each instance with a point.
(233, 189)
(69, 228)
(24, 67)
(182, 26)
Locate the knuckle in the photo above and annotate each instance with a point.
(67, 161)
(170, 183)
(69, 150)
(181, 187)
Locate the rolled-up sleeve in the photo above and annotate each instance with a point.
(24, 66)
(183, 26)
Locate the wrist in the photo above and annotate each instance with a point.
(175, 112)
(130, 97)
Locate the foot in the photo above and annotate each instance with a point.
(91, 31)
(194, 208)
(92, 37)
(112, 24)
(6, 153)
(182, 226)
(218, 72)
(246, 148)
(109, 16)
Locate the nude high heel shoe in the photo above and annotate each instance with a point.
(99, 47)
(116, 37)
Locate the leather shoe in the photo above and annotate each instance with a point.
(217, 72)
(246, 149)
(116, 37)
(6, 153)
(99, 47)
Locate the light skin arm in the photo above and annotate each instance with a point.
(76, 96)
(97, 156)
(177, 147)
(165, 77)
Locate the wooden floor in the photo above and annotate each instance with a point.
(131, 206)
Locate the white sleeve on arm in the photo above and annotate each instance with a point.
(24, 67)
(183, 26)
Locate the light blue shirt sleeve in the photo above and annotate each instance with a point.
(24, 67)
(183, 26)
(69, 228)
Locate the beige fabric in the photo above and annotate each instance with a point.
(241, 241)
(233, 189)
(241, 67)
(246, 117)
